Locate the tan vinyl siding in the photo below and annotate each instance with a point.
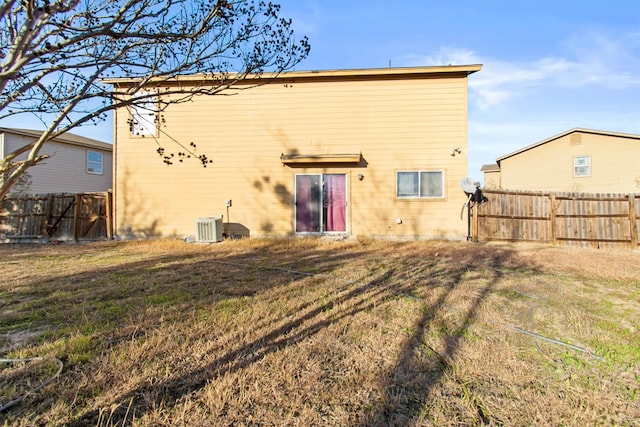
(65, 171)
(492, 180)
(397, 124)
(614, 164)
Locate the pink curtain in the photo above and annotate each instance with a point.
(335, 202)
(307, 200)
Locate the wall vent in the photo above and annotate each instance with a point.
(209, 230)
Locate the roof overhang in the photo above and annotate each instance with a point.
(490, 168)
(288, 159)
(348, 74)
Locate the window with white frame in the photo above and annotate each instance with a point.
(420, 184)
(144, 115)
(94, 162)
(582, 166)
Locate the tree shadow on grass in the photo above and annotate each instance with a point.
(103, 298)
(410, 384)
(407, 386)
(359, 295)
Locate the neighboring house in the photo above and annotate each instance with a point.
(491, 176)
(369, 152)
(76, 164)
(578, 160)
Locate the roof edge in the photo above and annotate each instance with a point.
(565, 133)
(67, 138)
(336, 73)
(492, 167)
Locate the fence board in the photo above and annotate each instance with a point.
(75, 217)
(597, 220)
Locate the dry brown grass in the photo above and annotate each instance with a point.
(313, 332)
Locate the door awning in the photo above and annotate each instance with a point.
(320, 158)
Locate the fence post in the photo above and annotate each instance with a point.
(552, 217)
(48, 215)
(76, 217)
(633, 218)
(109, 214)
(475, 228)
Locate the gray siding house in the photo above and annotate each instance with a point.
(76, 164)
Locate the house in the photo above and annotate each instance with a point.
(578, 160)
(76, 164)
(366, 152)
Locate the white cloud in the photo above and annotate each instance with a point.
(612, 61)
(591, 59)
(499, 81)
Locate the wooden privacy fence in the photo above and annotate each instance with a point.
(84, 216)
(596, 220)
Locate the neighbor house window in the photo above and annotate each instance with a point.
(420, 184)
(94, 162)
(582, 166)
(144, 115)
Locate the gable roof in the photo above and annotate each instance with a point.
(563, 134)
(67, 138)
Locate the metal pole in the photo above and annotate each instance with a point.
(469, 207)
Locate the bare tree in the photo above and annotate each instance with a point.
(56, 54)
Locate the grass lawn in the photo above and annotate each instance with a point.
(314, 332)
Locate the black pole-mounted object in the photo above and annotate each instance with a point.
(474, 196)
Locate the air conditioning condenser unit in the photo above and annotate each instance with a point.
(209, 230)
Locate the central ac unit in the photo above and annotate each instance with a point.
(209, 230)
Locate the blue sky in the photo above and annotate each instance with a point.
(548, 65)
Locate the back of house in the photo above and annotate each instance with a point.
(371, 152)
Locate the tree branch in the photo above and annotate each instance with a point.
(55, 55)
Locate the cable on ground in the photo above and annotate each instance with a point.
(38, 387)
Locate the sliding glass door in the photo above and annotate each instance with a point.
(321, 203)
